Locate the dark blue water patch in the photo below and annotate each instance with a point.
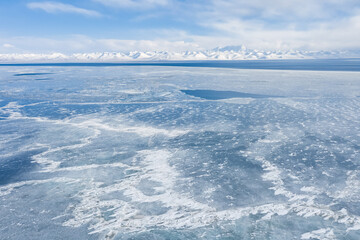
(30, 74)
(62, 90)
(217, 95)
(11, 168)
(42, 79)
(3, 102)
(20, 101)
(348, 64)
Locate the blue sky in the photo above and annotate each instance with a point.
(177, 25)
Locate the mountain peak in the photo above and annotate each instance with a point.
(235, 48)
(239, 52)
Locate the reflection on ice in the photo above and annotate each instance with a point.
(123, 153)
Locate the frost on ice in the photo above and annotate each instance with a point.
(137, 152)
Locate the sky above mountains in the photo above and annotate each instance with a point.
(71, 26)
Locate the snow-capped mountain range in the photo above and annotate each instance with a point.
(219, 53)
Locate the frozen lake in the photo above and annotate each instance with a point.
(175, 152)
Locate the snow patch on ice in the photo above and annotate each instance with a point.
(7, 189)
(323, 234)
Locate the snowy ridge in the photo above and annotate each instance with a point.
(224, 53)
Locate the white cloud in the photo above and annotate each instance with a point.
(55, 7)
(340, 35)
(134, 4)
(84, 44)
(7, 45)
(279, 24)
(258, 24)
(282, 9)
(146, 45)
(324, 36)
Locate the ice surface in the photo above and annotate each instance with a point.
(127, 153)
(216, 95)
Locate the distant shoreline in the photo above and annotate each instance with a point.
(344, 64)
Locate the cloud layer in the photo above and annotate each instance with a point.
(134, 4)
(56, 7)
(84, 44)
(175, 25)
